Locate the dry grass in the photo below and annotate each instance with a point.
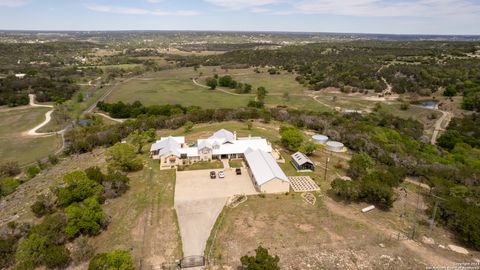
(14, 146)
(143, 220)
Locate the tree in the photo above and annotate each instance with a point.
(292, 137)
(261, 93)
(450, 91)
(113, 260)
(212, 83)
(138, 139)
(188, 126)
(347, 190)
(30, 251)
(123, 157)
(261, 261)
(360, 164)
(78, 188)
(226, 81)
(308, 148)
(86, 217)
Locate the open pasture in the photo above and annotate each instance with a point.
(15, 146)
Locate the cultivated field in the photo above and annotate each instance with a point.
(16, 146)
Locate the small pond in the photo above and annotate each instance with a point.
(429, 104)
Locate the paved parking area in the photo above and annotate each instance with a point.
(199, 200)
(303, 184)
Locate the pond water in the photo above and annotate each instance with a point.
(429, 104)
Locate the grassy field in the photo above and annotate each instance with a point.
(143, 220)
(17, 147)
(175, 87)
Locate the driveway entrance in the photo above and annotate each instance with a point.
(199, 200)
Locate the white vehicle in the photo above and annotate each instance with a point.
(221, 174)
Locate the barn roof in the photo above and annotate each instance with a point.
(263, 166)
(300, 158)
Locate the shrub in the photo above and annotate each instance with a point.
(123, 157)
(261, 260)
(8, 186)
(117, 259)
(79, 187)
(56, 257)
(42, 206)
(10, 169)
(32, 171)
(85, 218)
(53, 159)
(81, 250)
(95, 174)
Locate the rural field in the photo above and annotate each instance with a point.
(175, 86)
(19, 147)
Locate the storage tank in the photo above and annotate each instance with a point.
(335, 146)
(320, 139)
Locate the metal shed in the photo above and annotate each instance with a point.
(302, 162)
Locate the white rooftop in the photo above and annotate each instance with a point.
(263, 166)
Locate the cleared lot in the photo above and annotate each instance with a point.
(199, 200)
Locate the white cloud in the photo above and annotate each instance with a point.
(140, 11)
(242, 4)
(461, 9)
(375, 8)
(12, 3)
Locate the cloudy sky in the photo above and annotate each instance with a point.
(353, 16)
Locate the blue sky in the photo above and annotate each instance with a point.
(354, 16)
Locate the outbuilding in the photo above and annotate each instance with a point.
(302, 162)
(266, 175)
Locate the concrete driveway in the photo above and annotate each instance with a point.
(199, 200)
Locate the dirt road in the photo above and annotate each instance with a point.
(440, 125)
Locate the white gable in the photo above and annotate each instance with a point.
(263, 166)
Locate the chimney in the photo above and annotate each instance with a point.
(235, 135)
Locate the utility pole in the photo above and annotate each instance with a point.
(327, 160)
(432, 222)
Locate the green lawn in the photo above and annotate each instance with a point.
(17, 147)
(236, 163)
(204, 165)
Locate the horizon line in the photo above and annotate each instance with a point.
(243, 31)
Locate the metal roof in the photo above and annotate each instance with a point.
(300, 158)
(264, 168)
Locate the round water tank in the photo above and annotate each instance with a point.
(335, 146)
(322, 139)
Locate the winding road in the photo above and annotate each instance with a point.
(48, 117)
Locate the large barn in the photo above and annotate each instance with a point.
(267, 176)
(302, 162)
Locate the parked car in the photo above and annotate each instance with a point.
(221, 174)
(213, 175)
(238, 171)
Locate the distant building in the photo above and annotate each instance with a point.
(20, 75)
(302, 162)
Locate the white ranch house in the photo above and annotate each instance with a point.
(173, 151)
(266, 175)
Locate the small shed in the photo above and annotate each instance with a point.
(302, 162)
